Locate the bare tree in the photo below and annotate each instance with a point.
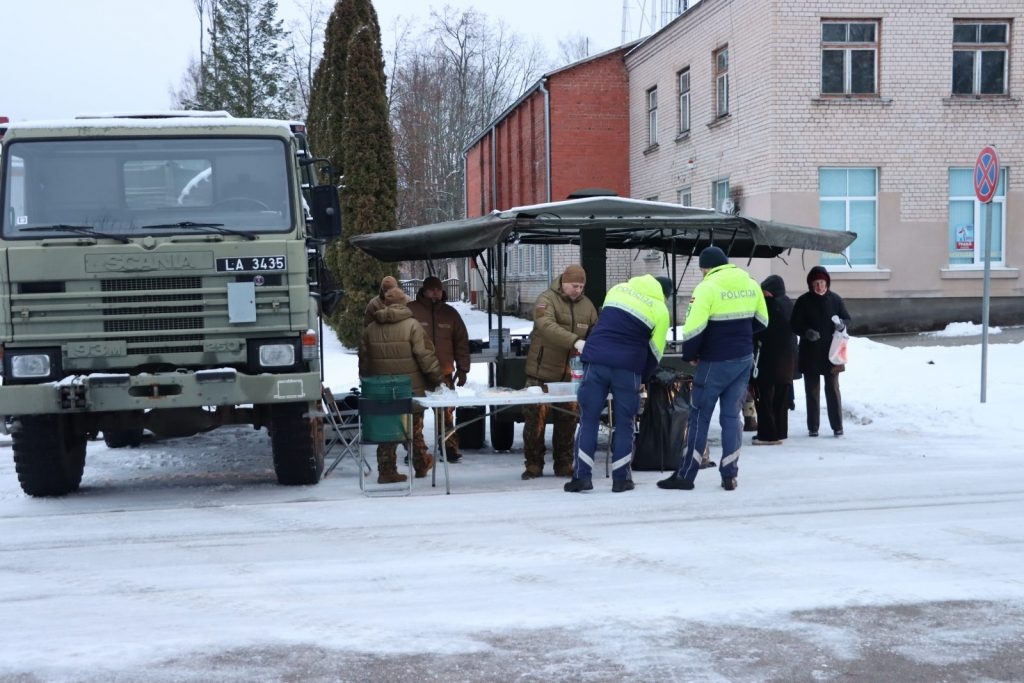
(304, 51)
(449, 81)
(573, 48)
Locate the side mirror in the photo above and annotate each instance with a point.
(325, 208)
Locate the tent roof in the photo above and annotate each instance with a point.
(628, 224)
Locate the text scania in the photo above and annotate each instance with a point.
(746, 293)
(129, 262)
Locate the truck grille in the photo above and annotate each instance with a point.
(148, 313)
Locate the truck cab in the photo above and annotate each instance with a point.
(155, 274)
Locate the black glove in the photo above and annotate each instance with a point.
(812, 335)
(838, 322)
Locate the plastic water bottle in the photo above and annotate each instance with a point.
(576, 371)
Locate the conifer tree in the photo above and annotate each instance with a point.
(245, 70)
(368, 197)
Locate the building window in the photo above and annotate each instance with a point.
(719, 195)
(849, 57)
(966, 220)
(684, 196)
(684, 101)
(652, 116)
(721, 62)
(848, 200)
(526, 260)
(980, 57)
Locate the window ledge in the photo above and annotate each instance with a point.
(996, 272)
(860, 273)
(981, 100)
(651, 149)
(721, 120)
(851, 101)
(683, 136)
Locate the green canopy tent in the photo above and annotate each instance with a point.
(605, 222)
(595, 224)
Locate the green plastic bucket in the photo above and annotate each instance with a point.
(385, 428)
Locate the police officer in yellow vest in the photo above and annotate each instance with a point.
(725, 311)
(621, 352)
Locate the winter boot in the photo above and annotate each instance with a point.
(675, 482)
(578, 485)
(388, 470)
(423, 464)
(622, 485)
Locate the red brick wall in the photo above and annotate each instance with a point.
(589, 141)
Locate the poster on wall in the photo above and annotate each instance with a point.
(965, 238)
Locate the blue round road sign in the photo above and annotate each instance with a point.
(986, 174)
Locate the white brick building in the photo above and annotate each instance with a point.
(866, 115)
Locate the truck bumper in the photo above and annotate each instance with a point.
(114, 392)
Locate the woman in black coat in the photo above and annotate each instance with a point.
(816, 315)
(776, 365)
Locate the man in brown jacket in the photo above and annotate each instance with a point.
(394, 344)
(446, 329)
(562, 319)
(377, 302)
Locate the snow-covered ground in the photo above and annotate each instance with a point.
(892, 552)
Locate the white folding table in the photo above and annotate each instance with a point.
(494, 402)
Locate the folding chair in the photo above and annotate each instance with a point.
(381, 420)
(343, 429)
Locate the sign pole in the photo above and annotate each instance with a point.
(985, 289)
(986, 183)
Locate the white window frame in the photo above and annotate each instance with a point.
(720, 67)
(683, 83)
(652, 116)
(527, 260)
(978, 228)
(847, 200)
(848, 46)
(719, 193)
(684, 196)
(978, 49)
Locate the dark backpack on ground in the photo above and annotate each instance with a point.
(661, 438)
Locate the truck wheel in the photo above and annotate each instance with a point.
(297, 441)
(119, 438)
(502, 434)
(48, 457)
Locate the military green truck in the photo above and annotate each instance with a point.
(156, 274)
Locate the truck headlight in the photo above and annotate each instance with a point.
(277, 355)
(31, 365)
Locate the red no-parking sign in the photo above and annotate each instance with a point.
(986, 174)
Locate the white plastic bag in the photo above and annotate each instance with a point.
(838, 352)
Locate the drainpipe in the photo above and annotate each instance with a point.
(547, 160)
(547, 136)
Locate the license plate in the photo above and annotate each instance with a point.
(250, 263)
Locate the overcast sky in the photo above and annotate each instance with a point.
(65, 57)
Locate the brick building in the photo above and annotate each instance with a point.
(569, 132)
(847, 114)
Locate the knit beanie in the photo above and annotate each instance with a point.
(712, 257)
(433, 282)
(574, 273)
(818, 273)
(395, 295)
(387, 283)
(666, 285)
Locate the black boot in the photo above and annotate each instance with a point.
(675, 482)
(578, 485)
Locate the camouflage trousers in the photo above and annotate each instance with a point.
(564, 433)
(387, 452)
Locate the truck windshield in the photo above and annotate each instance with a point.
(121, 187)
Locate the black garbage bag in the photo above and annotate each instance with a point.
(661, 438)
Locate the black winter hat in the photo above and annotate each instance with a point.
(666, 285)
(818, 273)
(712, 257)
